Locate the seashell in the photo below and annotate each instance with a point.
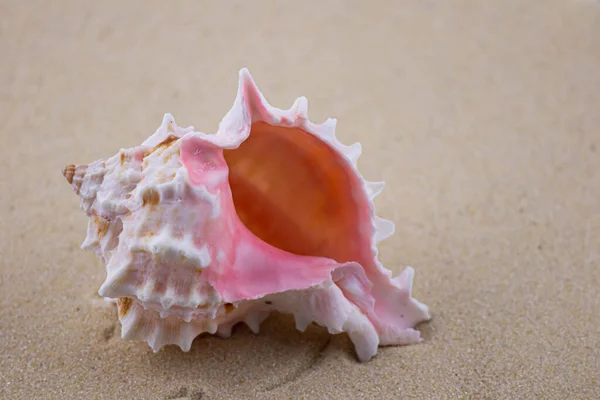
(202, 231)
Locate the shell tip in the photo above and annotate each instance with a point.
(244, 72)
(245, 77)
(300, 107)
(68, 172)
(374, 189)
(384, 229)
(168, 122)
(327, 128)
(353, 152)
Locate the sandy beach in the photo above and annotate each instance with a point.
(481, 117)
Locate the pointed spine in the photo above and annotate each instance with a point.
(374, 189)
(383, 229)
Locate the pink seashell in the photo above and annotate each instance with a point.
(200, 232)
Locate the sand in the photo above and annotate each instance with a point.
(482, 117)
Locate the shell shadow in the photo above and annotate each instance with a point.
(427, 328)
(276, 356)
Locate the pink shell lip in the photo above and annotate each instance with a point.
(387, 294)
(358, 296)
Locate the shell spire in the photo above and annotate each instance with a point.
(200, 231)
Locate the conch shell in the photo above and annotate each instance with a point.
(202, 231)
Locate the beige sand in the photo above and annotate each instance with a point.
(483, 118)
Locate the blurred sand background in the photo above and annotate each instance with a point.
(483, 118)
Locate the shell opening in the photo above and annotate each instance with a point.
(295, 192)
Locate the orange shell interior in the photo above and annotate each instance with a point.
(295, 192)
